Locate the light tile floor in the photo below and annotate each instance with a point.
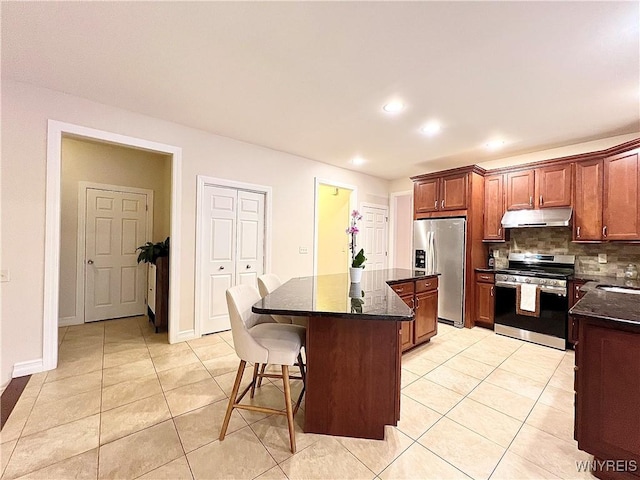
(123, 403)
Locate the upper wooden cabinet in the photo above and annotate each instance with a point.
(587, 215)
(520, 189)
(493, 208)
(621, 206)
(544, 187)
(606, 201)
(444, 193)
(553, 186)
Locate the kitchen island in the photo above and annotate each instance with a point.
(353, 348)
(606, 323)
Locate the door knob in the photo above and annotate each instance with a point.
(248, 266)
(221, 268)
(90, 262)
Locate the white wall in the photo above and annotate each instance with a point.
(25, 112)
(112, 165)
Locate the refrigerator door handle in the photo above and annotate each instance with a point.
(433, 252)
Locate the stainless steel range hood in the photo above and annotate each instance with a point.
(545, 217)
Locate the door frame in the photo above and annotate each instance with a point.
(55, 131)
(206, 181)
(79, 317)
(353, 202)
(388, 223)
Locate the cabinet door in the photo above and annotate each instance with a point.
(553, 186)
(453, 192)
(425, 195)
(621, 197)
(426, 321)
(406, 337)
(587, 219)
(520, 190)
(608, 388)
(493, 207)
(485, 304)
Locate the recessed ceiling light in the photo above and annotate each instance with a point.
(431, 128)
(494, 144)
(394, 106)
(357, 161)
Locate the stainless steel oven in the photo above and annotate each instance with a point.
(549, 274)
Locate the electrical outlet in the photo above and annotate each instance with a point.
(5, 276)
(496, 254)
(602, 258)
(303, 250)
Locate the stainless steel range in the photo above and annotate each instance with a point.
(532, 298)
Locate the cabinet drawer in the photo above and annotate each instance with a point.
(485, 277)
(403, 288)
(426, 285)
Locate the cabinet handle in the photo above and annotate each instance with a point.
(604, 231)
(500, 232)
(541, 201)
(417, 303)
(442, 204)
(436, 205)
(578, 232)
(399, 290)
(413, 304)
(492, 290)
(531, 200)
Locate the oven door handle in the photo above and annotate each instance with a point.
(506, 284)
(543, 288)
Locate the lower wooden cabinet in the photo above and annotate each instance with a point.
(422, 296)
(607, 385)
(485, 299)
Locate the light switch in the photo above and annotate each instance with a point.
(602, 258)
(5, 276)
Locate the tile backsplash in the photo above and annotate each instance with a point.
(558, 240)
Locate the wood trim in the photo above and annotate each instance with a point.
(10, 397)
(452, 171)
(444, 214)
(596, 155)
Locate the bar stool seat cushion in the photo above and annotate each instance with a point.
(283, 342)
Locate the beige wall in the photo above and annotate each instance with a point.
(403, 232)
(25, 111)
(112, 165)
(333, 220)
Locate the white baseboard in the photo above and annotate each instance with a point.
(21, 369)
(185, 335)
(66, 321)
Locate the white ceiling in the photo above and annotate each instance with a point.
(310, 78)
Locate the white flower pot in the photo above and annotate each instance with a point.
(355, 274)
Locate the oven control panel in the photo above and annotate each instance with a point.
(546, 284)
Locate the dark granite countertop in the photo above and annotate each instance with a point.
(333, 295)
(598, 303)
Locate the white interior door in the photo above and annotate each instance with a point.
(250, 248)
(232, 249)
(375, 232)
(115, 226)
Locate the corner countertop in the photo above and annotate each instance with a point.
(618, 307)
(335, 296)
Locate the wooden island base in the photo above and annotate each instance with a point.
(353, 376)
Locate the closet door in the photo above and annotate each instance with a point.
(250, 238)
(218, 259)
(232, 253)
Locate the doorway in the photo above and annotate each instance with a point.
(330, 237)
(52, 281)
(233, 221)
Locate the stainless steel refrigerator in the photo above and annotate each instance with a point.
(439, 247)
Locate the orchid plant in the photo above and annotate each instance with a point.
(357, 259)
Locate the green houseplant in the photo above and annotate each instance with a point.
(150, 252)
